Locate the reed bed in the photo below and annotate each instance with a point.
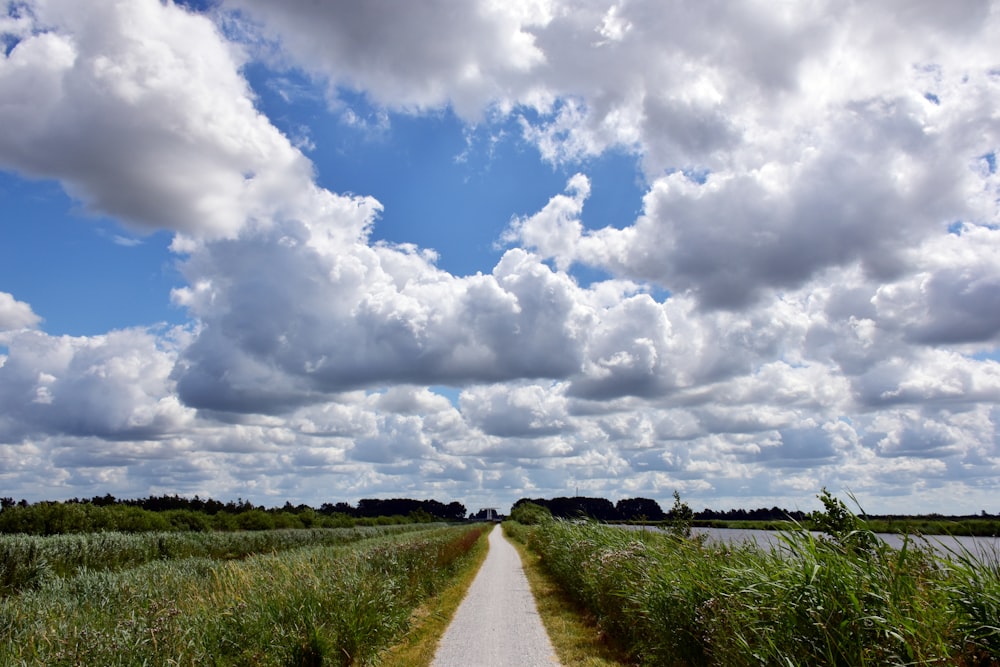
(307, 606)
(847, 599)
(28, 561)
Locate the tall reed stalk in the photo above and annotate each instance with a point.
(28, 561)
(846, 599)
(307, 606)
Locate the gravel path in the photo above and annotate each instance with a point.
(497, 623)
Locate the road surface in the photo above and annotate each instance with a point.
(497, 624)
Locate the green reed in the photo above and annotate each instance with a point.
(846, 599)
(28, 561)
(307, 606)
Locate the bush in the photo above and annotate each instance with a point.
(681, 518)
(254, 520)
(530, 514)
(187, 520)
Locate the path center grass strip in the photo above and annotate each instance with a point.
(307, 606)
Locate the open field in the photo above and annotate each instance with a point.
(27, 561)
(306, 605)
(843, 599)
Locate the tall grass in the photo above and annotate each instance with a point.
(846, 600)
(974, 588)
(308, 606)
(28, 561)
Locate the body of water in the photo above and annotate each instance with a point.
(943, 544)
(985, 548)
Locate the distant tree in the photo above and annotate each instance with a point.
(455, 511)
(578, 506)
(376, 507)
(601, 509)
(338, 508)
(395, 507)
(680, 517)
(196, 504)
(634, 509)
(107, 500)
(241, 506)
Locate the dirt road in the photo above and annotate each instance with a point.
(497, 624)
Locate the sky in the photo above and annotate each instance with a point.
(479, 251)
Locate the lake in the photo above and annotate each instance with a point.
(986, 548)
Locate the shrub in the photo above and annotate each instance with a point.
(680, 518)
(530, 514)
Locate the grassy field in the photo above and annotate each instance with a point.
(844, 599)
(28, 561)
(305, 605)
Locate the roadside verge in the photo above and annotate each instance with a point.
(574, 633)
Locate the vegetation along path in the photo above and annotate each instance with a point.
(497, 623)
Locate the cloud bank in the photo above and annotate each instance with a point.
(809, 296)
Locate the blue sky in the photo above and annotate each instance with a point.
(70, 265)
(444, 186)
(479, 252)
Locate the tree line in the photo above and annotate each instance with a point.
(647, 509)
(176, 513)
(601, 509)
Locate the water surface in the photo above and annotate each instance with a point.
(946, 545)
(984, 548)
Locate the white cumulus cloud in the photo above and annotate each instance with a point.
(16, 314)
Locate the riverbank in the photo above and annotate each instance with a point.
(844, 597)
